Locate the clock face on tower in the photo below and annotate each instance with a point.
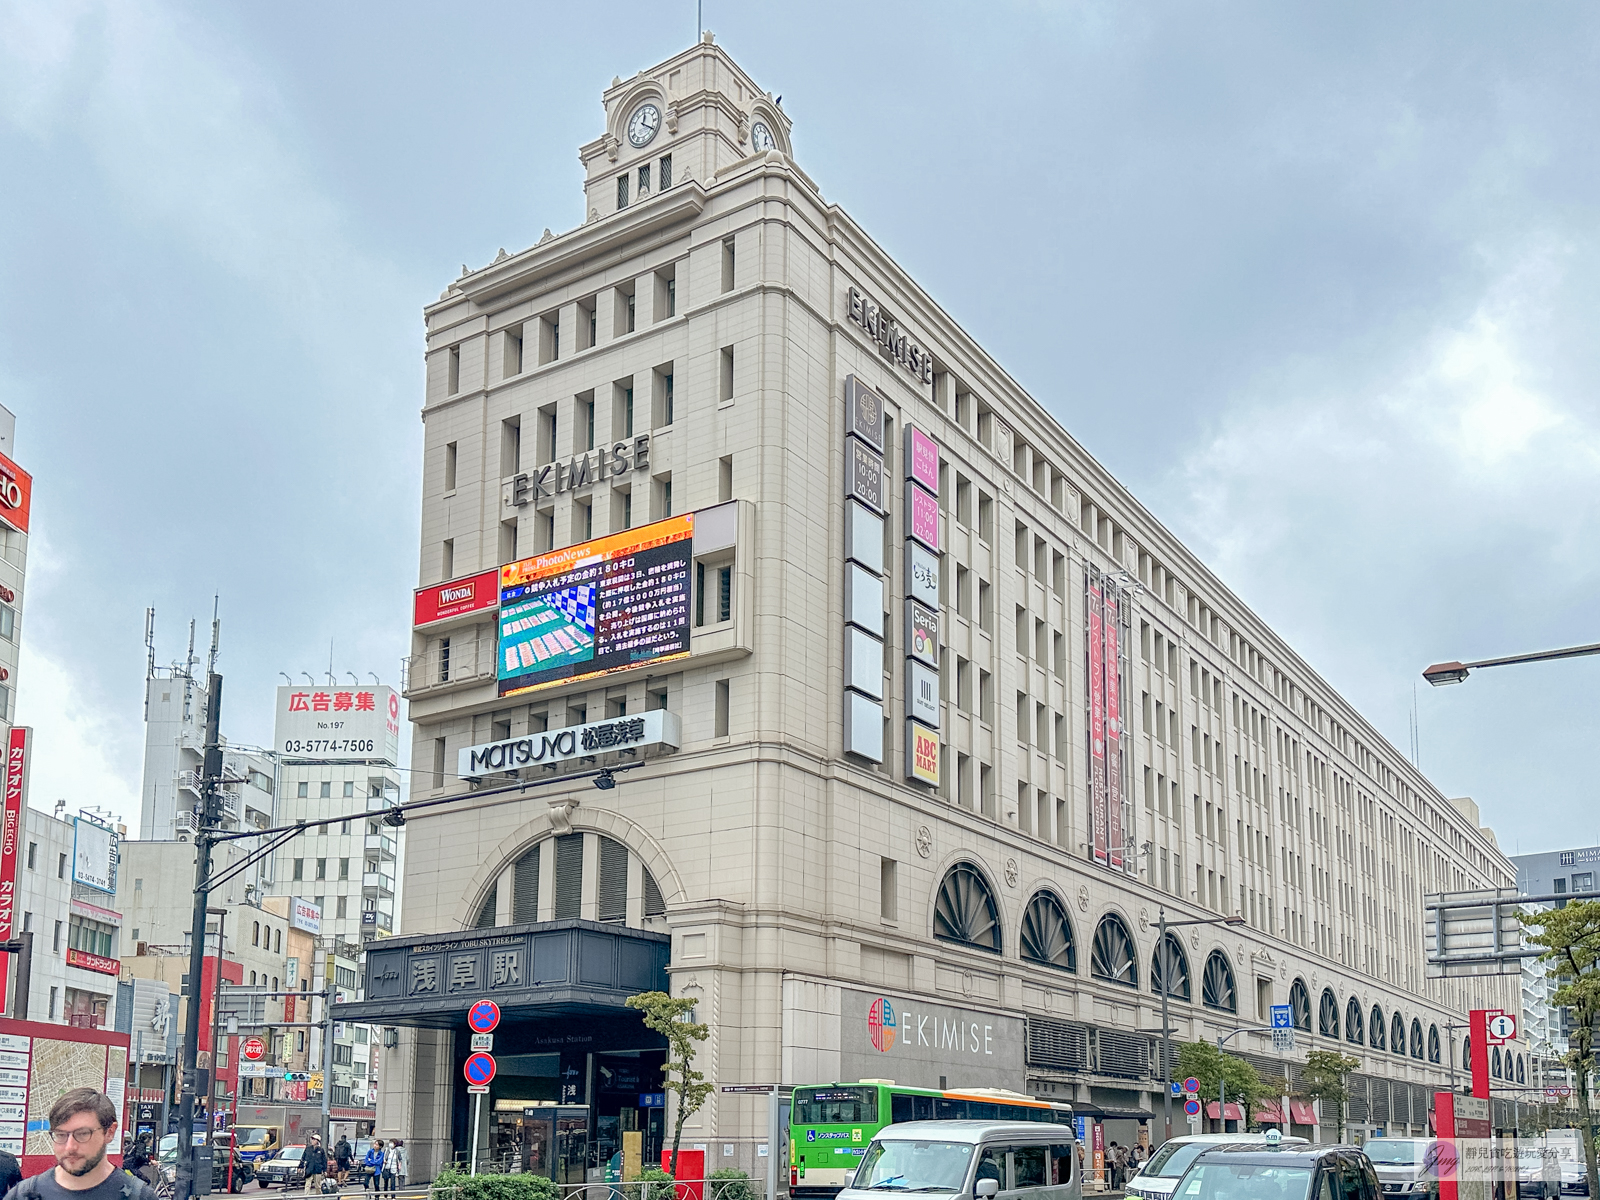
(761, 137)
(643, 124)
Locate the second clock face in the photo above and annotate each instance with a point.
(643, 124)
(761, 137)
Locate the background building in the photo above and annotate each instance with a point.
(929, 715)
(1554, 873)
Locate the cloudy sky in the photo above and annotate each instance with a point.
(1318, 282)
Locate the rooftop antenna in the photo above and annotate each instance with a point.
(149, 657)
(216, 636)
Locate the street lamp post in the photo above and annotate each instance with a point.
(1166, 988)
(1442, 674)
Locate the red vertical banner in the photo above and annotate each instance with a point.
(1444, 1152)
(1478, 1033)
(10, 837)
(1097, 719)
(1113, 727)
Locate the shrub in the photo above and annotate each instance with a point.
(653, 1176)
(730, 1183)
(453, 1184)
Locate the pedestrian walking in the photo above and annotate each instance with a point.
(373, 1162)
(316, 1164)
(390, 1158)
(400, 1162)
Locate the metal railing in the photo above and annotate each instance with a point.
(644, 1189)
(464, 660)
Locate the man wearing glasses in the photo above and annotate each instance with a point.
(82, 1124)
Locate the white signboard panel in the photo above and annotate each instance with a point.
(94, 855)
(338, 723)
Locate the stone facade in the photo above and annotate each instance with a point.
(796, 881)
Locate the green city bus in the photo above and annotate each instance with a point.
(830, 1124)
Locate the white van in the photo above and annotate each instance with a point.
(974, 1160)
(1159, 1176)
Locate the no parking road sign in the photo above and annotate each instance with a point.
(1191, 1085)
(1192, 1107)
(483, 1016)
(479, 1069)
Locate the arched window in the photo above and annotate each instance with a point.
(1434, 1053)
(1522, 1069)
(1416, 1039)
(488, 909)
(1179, 961)
(255, 933)
(275, 983)
(277, 942)
(1355, 1029)
(1494, 1061)
(252, 979)
(1216, 987)
(1328, 1014)
(1113, 956)
(1300, 1005)
(1375, 1031)
(1047, 934)
(1397, 1034)
(965, 911)
(1466, 1053)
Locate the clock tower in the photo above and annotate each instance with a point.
(688, 118)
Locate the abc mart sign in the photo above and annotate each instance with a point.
(656, 729)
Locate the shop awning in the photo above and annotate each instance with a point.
(1126, 1114)
(539, 969)
(1302, 1113)
(1235, 1113)
(1268, 1111)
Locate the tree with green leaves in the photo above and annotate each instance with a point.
(1327, 1074)
(1214, 1069)
(670, 1017)
(1569, 939)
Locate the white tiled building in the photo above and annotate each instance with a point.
(714, 302)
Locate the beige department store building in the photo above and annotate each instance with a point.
(719, 347)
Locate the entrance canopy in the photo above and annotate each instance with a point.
(540, 969)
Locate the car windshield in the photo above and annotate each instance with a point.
(293, 1153)
(248, 1136)
(168, 1151)
(906, 1166)
(1244, 1181)
(1393, 1152)
(1173, 1159)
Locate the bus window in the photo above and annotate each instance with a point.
(924, 1107)
(1061, 1163)
(1027, 1166)
(950, 1110)
(901, 1108)
(982, 1110)
(835, 1106)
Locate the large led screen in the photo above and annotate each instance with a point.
(616, 602)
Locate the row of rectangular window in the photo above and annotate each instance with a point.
(547, 333)
(663, 180)
(325, 792)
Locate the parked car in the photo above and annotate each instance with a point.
(1160, 1174)
(1273, 1173)
(1027, 1160)
(243, 1173)
(1531, 1167)
(283, 1169)
(1402, 1165)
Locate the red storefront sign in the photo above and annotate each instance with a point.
(10, 835)
(93, 962)
(475, 593)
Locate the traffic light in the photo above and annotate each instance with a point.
(296, 1077)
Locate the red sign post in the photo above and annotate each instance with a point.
(252, 1048)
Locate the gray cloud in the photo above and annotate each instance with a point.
(1317, 283)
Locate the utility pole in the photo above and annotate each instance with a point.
(206, 813)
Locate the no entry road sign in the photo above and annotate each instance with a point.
(479, 1068)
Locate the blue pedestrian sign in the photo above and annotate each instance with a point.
(1282, 1017)
(1177, 1088)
